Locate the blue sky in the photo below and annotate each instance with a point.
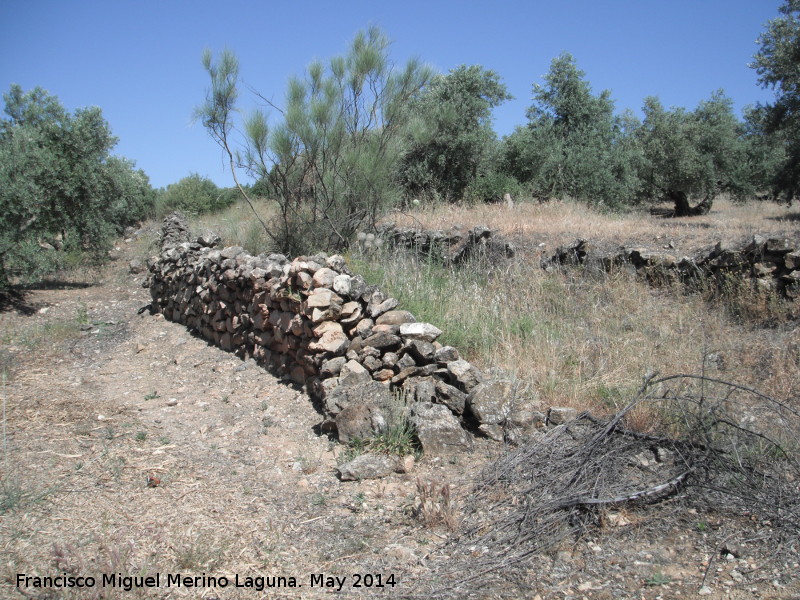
(140, 61)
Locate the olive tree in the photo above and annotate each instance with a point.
(573, 143)
(332, 156)
(60, 188)
(778, 66)
(452, 142)
(692, 155)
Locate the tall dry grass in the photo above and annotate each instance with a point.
(561, 221)
(581, 338)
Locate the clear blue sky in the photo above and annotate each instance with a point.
(140, 61)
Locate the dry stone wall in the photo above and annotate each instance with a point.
(454, 247)
(314, 322)
(772, 264)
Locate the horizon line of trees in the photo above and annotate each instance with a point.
(359, 134)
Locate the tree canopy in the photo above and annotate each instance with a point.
(332, 157)
(778, 66)
(452, 138)
(59, 184)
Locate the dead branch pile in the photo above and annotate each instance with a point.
(717, 444)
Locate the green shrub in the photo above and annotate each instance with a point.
(194, 195)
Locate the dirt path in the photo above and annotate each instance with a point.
(132, 448)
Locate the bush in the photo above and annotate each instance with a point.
(60, 189)
(194, 195)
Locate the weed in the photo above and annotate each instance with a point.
(355, 448)
(163, 440)
(140, 436)
(657, 579)
(436, 506)
(319, 499)
(201, 553)
(701, 526)
(82, 315)
(152, 395)
(226, 399)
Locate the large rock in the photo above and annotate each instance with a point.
(420, 331)
(368, 466)
(490, 402)
(332, 339)
(465, 374)
(338, 397)
(438, 431)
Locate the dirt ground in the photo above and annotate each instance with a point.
(132, 449)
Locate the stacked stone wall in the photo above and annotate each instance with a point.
(314, 322)
(771, 264)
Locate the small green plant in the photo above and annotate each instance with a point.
(355, 448)
(82, 316)
(701, 526)
(163, 440)
(319, 500)
(152, 395)
(140, 436)
(263, 405)
(226, 399)
(657, 579)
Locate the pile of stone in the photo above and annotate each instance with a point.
(773, 264)
(314, 322)
(453, 247)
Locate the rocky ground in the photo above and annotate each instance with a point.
(131, 447)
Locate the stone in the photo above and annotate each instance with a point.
(422, 351)
(489, 402)
(338, 397)
(323, 298)
(352, 373)
(231, 251)
(368, 466)
(324, 277)
(303, 280)
(359, 422)
(451, 397)
(376, 310)
(364, 328)
(332, 339)
(465, 374)
(420, 331)
(493, 432)
(333, 366)
(778, 246)
(383, 341)
(439, 432)
(342, 284)
(423, 388)
(558, 415)
(335, 262)
(395, 317)
(446, 354)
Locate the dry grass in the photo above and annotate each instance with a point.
(560, 222)
(584, 339)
